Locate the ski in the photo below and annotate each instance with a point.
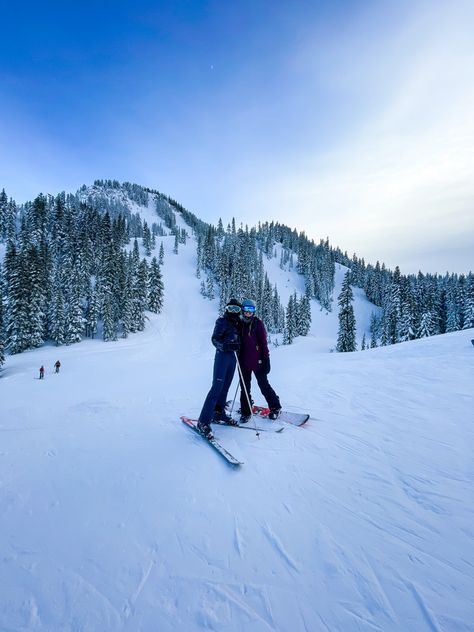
(296, 419)
(249, 426)
(192, 424)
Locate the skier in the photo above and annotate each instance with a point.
(57, 364)
(226, 339)
(41, 372)
(255, 356)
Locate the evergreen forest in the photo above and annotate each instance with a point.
(83, 265)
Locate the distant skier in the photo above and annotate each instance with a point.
(255, 357)
(41, 377)
(57, 366)
(226, 339)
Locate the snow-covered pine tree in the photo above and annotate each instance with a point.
(126, 299)
(374, 330)
(427, 325)
(304, 316)
(392, 309)
(36, 219)
(146, 239)
(208, 250)
(287, 337)
(155, 288)
(453, 308)
(135, 253)
(93, 310)
(107, 281)
(161, 255)
(291, 327)
(210, 288)
(220, 229)
(10, 221)
(266, 311)
(278, 312)
(2, 321)
(198, 256)
(468, 311)
(3, 214)
(74, 313)
(140, 296)
(35, 297)
(346, 340)
(16, 313)
(109, 331)
(405, 325)
(57, 309)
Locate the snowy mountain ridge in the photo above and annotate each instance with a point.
(81, 265)
(112, 194)
(116, 517)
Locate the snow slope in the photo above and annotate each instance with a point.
(324, 324)
(114, 516)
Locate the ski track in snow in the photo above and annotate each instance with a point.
(114, 517)
(276, 543)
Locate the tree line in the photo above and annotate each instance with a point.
(413, 306)
(71, 271)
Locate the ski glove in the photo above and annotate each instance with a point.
(265, 366)
(231, 346)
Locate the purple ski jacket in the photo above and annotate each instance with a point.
(254, 347)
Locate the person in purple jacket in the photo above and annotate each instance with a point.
(255, 357)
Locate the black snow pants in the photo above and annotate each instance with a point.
(269, 394)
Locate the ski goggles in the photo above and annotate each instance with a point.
(250, 309)
(233, 309)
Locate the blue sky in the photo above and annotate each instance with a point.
(353, 120)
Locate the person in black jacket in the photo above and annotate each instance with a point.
(226, 339)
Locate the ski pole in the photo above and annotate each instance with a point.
(233, 401)
(246, 393)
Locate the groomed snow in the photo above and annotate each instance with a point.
(114, 516)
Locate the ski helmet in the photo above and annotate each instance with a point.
(249, 306)
(233, 306)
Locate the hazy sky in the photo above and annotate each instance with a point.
(347, 119)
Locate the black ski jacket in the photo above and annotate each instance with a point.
(226, 335)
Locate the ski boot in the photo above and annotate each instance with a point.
(274, 413)
(244, 419)
(205, 430)
(224, 418)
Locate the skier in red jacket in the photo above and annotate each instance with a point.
(254, 357)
